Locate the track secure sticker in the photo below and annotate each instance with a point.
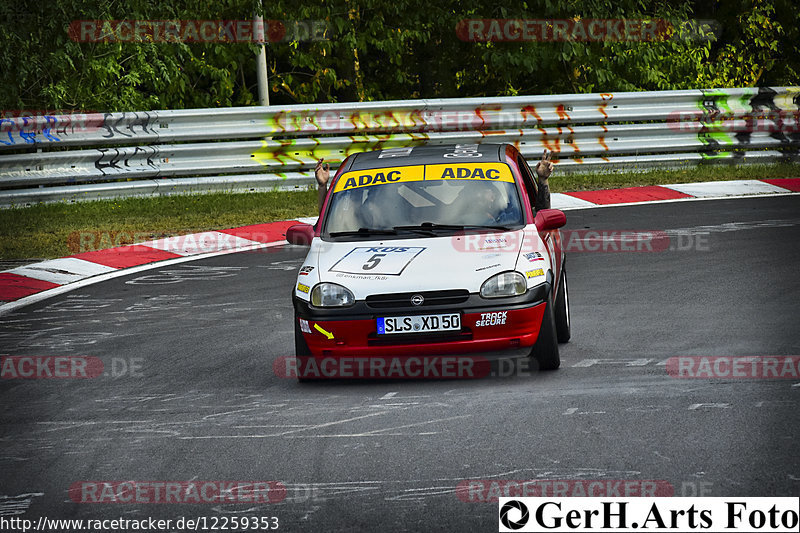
(382, 260)
(379, 176)
(534, 273)
(304, 326)
(303, 288)
(534, 256)
(492, 319)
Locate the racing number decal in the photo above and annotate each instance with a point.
(383, 260)
(372, 262)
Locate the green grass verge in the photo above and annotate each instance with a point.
(52, 230)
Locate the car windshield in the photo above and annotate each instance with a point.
(430, 205)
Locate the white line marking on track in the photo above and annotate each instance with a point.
(696, 406)
(388, 395)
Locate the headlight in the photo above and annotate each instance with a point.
(331, 295)
(504, 284)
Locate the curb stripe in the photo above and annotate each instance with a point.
(629, 195)
(792, 184)
(126, 256)
(14, 286)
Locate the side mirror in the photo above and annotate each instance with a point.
(547, 219)
(301, 234)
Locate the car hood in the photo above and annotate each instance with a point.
(403, 265)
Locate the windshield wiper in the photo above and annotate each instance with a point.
(430, 226)
(363, 232)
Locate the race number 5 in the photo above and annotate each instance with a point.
(372, 262)
(377, 260)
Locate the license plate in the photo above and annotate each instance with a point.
(418, 324)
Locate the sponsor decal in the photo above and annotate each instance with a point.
(470, 171)
(492, 319)
(379, 176)
(357, 276)
(305, 270)
(465, 150)
(304, 327)
(465, 171)
(395, 152)
(487, 267)
(534, 273)
(381, 260)
(534, 256)
(303, 288)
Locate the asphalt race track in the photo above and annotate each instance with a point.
(189, 393)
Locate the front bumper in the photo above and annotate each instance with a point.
(352, 332)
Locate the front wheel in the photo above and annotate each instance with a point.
(562, 309)
(545, 351)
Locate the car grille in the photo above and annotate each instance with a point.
(432, 298)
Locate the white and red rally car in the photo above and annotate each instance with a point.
(433, 250)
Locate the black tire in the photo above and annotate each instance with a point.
(562, 308)
(545, 351)
(302, 352)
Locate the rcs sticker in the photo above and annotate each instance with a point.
(383, 260)
(306, 270)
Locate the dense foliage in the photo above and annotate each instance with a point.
(379, 50)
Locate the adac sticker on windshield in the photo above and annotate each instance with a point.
(379, 176)
(382, 260)
(469, 171)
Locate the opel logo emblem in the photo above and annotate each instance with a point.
(417, 299)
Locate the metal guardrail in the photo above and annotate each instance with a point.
(52, 157)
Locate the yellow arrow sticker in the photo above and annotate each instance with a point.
(326, 333)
